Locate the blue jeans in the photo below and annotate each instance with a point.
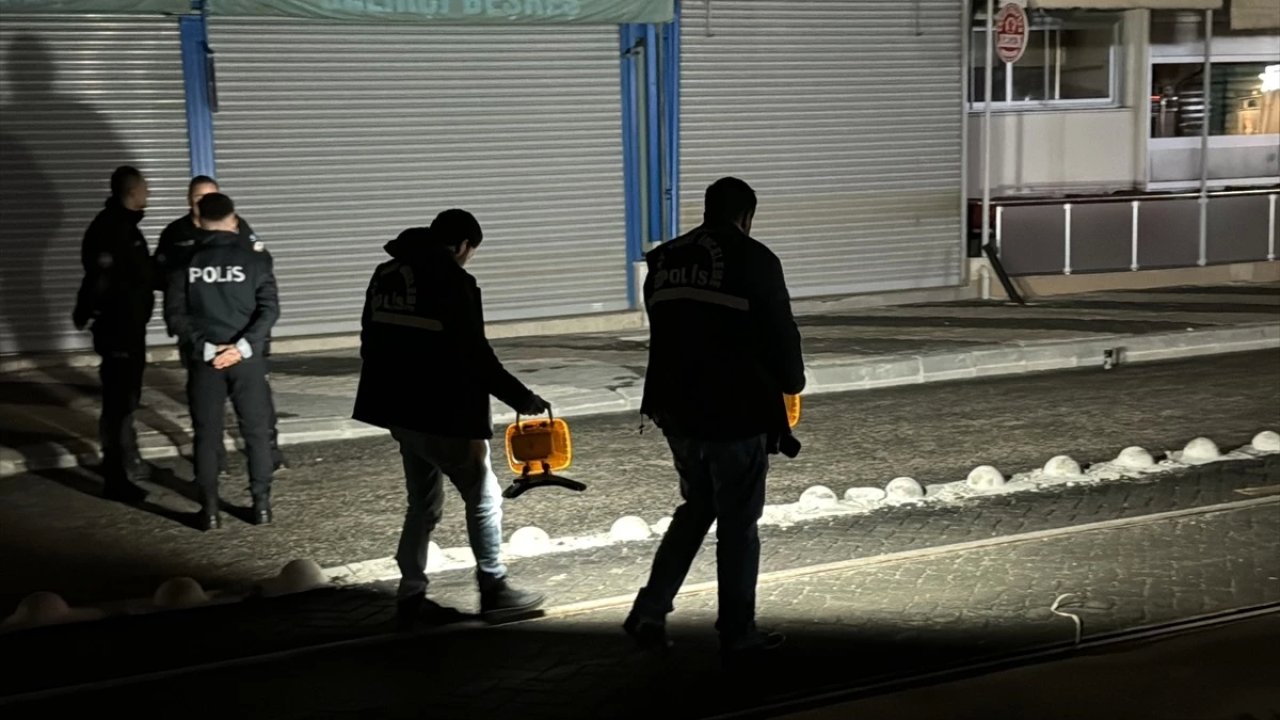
(721, 482)
(427, 458)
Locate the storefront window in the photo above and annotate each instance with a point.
(1244, 99)
(1070, 60)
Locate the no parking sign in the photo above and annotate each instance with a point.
(1011, 32)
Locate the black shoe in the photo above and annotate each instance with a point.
(124, 491)
(262, 511)
(648, 634)
(209, 518)
(418, 609)
(498, 600)
(138, 470)
(278, 461)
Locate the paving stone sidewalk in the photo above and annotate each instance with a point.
(845, 626)
(1152, 592)
(48, 417)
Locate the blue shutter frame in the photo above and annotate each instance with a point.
(651, 197)
(652, 162)
(193, 31)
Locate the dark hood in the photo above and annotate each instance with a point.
(415, 245)
(118, 211)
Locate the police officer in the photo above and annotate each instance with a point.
(177, 241)
(221, 306)
(723, 351)
(116, 301)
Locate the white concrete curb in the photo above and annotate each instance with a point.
(825, 376)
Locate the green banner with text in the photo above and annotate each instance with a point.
(465, 12)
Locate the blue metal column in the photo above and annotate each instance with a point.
(671, 126)
(194, 35)
(628, 39)
(653, 131)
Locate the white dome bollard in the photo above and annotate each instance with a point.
(903, 489)
(865, 495)
(40, 608)
(818, 497)
(662, 526)
(629, 527)
(1135, 458)
(530, 540)
(177, 593)
(985, 477)
(1201, 450)
(1062, 466)
(1267, 441)
(302, 575)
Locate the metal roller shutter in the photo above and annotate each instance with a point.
(334, 138)
(846, 118)
(79, 96)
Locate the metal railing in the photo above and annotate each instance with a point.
(1135, 232)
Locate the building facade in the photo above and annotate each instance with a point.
(583, 133)
(1097, 138)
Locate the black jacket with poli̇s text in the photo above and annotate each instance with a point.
(225, 294)
(724, 347)
(426, 363)
(181, 237)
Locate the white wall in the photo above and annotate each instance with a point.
(1080, 149)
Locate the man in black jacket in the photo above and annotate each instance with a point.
(221, 307)
(723, 351)
(427, 375)
(116, 300)
(177, 242)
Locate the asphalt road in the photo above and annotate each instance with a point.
(343, 501)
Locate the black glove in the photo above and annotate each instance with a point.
(789, 445)
(534, 406)
(80, 318)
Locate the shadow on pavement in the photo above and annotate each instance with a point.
(565, 668)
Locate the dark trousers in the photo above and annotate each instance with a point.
(121, 375)
(277, 457)
(207, 391)
(721, 482)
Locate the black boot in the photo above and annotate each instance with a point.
(648, 634)
(498, 600)
(262, 510)
(137, 469)
(210, 515)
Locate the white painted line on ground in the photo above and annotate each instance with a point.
(953, 493)
(776, 576)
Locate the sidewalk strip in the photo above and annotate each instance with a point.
(824, 378)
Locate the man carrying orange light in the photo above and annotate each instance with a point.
(427, 375)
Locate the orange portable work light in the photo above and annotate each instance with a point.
(793, 409)
(536, 450)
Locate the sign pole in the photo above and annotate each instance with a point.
(1010, 30)
(1204, 138)
(986, 123)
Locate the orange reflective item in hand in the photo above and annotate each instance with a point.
(793, 409)
(540, 445)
